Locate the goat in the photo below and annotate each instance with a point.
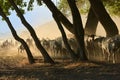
(21, 49)
(111, 46)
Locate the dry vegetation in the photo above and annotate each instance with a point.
(17, 68)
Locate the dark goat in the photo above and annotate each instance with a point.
(21, 49)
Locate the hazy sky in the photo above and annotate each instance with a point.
(38, 16)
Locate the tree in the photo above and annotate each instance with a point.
(105, 19)
(91, 23)
(26, 24)
(72, 53)
(29, 54)
(67, 24)
(44, 53)
(7, 8)
(112, 6)
(78, 28)
(63, 20)
(83, 6)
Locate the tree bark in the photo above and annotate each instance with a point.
(29, 54)
(78, 28)
(105, 19)
(47, 58)
(72, 53)
(67, 24)
(91, 24)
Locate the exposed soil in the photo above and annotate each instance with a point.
(14, 66)
(60, 71)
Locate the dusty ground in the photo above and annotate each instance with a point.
(14, 66)
(17, 68)
(61, 71)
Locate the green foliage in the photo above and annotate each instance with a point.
(83, 6)
(7, 7)
(63, 6)
(31, 4)
(112, 6)
(39, 2)
(22, 5)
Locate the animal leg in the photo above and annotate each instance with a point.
(113, 55)
(103, 54)
(108, 57)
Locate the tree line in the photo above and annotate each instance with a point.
(97, 12)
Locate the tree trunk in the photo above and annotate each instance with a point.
(29, 54)
(78, 28)
(67, 24)
(105, 19)
(47, 58)
(91, 24)
(72, 53)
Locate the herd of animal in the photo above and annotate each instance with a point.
(6, 44)
(108, 47)
(104, 48)
(57, 48)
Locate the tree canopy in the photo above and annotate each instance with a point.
(83, 6)
(112, 6)
(7, 7)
